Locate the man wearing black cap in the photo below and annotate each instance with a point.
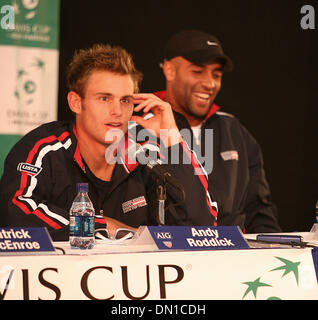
(193, 66)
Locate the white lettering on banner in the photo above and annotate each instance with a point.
(11, 234)
(210, 242)
(163, 235)
(14, 245)
(204, 232)
(8, 244)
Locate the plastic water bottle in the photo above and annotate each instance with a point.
(316, 212)
(82, 224)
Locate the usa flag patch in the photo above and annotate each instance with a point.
(134, 204)
(230, 155)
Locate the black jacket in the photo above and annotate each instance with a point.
(38, 186)
(237, 181)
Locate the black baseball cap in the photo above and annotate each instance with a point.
(197, 47)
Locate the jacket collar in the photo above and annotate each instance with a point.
(122, 158)
(77, 155)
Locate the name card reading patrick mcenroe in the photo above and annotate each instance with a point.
(25, 240)
(198, 238)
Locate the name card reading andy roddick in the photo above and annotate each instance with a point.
(198, 238)
(25, 240)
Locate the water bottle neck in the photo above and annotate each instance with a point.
(82, 196)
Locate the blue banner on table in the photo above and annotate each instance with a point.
(25, 240)
(198, 238)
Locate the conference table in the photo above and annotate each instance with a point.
(130, 270)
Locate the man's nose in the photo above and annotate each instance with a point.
(208, 82)
(116, 108)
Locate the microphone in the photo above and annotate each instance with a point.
(137, 153)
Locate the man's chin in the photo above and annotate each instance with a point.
(199, 113)
(200, 110)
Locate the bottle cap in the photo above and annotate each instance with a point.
(82, 187)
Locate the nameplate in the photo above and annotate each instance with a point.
(198, 238)
(20, 240)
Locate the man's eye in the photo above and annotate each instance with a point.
(104, 98)
(217, 76)
(127, 101)
(196, 71)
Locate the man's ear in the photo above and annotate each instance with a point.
(74, 102)
(169, 70)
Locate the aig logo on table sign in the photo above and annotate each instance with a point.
(163, 235)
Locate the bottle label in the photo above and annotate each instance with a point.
(82, 226)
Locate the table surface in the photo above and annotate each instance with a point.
(130, 246)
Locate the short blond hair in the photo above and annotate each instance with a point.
(100, 57)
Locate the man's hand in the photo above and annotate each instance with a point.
(162, 123)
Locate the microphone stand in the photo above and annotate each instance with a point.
(161, 193)
(161, 197)
(162, 178)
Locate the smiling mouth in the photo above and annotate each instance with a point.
(204, 97)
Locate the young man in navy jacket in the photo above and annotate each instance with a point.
(41, 171)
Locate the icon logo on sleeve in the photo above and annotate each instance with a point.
(230, 155)
(29, 169)
(211, 43)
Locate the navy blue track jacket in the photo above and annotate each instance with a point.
(41, 171)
